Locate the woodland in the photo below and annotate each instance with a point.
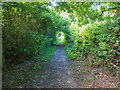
(89, 31)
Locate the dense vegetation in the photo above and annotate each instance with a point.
(96, 33)
(29, 29)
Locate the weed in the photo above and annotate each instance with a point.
(79, 62)
(10, 84)
(73, 68)
(85, 71)
(80, 78)
(19, 80)
(95, 83)
(90, 79)
(84, 87)
(78, 72)
(115, 87)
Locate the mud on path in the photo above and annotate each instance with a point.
(58, 74)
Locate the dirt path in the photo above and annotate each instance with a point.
(58, 73)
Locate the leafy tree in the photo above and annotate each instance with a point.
(28, 29)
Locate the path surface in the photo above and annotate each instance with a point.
(58, 74)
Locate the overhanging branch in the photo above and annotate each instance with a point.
(107, 10)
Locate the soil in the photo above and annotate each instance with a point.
(58, 74)
(63, 73)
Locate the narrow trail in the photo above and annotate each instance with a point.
(58, 74)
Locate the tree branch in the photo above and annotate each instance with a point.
(113, 8)
(107, 10)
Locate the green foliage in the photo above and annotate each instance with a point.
(86, 12)
(25, 74)
(64, 40)
(28, 30)
(98, 40)
(84, 71)
(62, 36)
(91, 78)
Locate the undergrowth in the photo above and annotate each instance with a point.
(21, 75)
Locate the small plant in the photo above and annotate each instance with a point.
(115, 87)
(79, 62)
(73, 68)
(10, 84)
(80, 78)
(84, 87)
(78, 72)
(20, 80)
(90, 79)
(85, 71)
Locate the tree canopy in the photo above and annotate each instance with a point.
(92, 29)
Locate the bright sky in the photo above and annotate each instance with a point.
(96, 6)
(65, 14)
(54, 3)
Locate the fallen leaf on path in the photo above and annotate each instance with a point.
(68, 81)
(58, 79)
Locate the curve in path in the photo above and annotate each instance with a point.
(58, 74)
